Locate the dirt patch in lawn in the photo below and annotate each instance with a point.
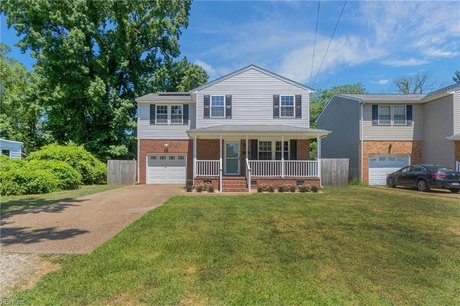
(23, 271)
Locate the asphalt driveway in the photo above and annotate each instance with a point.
(82, 224)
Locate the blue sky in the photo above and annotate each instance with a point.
(375, 42)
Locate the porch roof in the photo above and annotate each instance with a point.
(454, 137)
(258, 130)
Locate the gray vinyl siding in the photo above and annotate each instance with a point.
(252, 100)
(456, 112)
(341, 117)
(159, 131)
(394, 132)
(438, 124)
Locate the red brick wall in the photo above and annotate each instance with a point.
(303, 149)
(412, 148)
(276, 182)
(147, 146)
(207, 149)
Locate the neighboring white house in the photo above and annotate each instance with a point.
(248, 127)
(381, 133)
(11, 148)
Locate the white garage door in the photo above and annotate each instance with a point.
(382, 165)
(166, 169)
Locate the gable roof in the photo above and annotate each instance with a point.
(384, 97)
(442, 91)
(254, 67)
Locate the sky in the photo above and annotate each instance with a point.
(375, 41)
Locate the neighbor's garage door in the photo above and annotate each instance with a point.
(166, 169)
(381, 165)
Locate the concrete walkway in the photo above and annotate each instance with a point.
(79, 225)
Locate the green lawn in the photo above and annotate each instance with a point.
(10, 203)
(344, 246)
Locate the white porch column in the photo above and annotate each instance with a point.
(248, 174)
(318, 157)
(282, 156)
(247, 157)
(194, 159)
(220, 163)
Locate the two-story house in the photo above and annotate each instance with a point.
(246, 128)
(381, 133)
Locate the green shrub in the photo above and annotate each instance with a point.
(265, 187)
(92, 170)
(68, 177)
(315, 188)
(304, 188)
(24, 181)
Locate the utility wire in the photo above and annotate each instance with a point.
(330, 41)
(314, 44)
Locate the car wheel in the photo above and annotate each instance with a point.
(454, 190)
(391, 182)
(423, 186)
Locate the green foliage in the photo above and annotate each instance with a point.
(68, 177)
(92, 171)
(456, 76)
(21, 180)
(304, 188)
(20, 111)
(95, 57)
(18, 176)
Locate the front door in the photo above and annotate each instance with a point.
(232, 158)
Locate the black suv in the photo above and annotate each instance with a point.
(424, 177)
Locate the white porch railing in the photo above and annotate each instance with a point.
(267, 168)
(457, 165)
(290, 168)
(207, 168)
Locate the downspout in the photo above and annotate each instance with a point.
(138, 144)
(361, 119)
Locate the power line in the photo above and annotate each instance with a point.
(330, 41)
(314, 44)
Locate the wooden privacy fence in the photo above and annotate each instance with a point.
(121, 172)
(334, 171)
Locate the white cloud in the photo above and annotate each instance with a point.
(392, 33)
(380, 82)
(209, 68)
(405, 62)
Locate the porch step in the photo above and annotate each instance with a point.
(234, 184)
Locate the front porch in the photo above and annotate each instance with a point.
(238, 161)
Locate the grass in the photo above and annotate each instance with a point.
(11, 203)
(344, 246)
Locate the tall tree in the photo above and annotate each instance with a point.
(93, 58)
(456, 76)
(416, 84)
(20, 111)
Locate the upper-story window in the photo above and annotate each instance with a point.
(176, 114)
(287, 106)
(392, 115)
(169, 114)
(384, 115)
(399, 115)
(217, 106)
(161, 114)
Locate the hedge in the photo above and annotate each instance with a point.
(92, 170)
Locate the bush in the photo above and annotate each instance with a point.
(210, 188)
(92, 170)
(265, 187)
(24, 181)
(304, 188)
(199, 188)
(315, 188)
(292, 188)
(281, 188)
(68, 178)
